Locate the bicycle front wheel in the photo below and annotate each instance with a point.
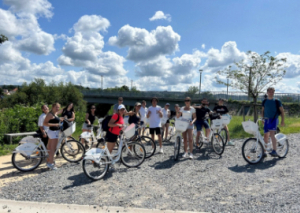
(133, 154)
(282, 148)
(252, 151)
(217, 144)
(26, 164)
(177, 148)
(93, 170)
(72, 151)
(149, 145)
(224, 135)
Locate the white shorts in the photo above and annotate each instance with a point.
(53, 134)
(84, 126)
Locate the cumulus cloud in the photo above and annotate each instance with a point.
(203, 46)
(84, 48)
(292, 64)
(144, 45)
(160, 15)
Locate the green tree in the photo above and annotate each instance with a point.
(193, 90)
(3, 38)
(254, 74)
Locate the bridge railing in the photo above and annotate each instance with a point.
(285, 97)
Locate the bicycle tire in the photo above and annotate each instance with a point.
(177, 148)
(217, 140)
(224, 135)
(149, 145)
(246, 156)
(38, 162)
(280, 147)
(67, 148)
(88, 163)
(138, 154)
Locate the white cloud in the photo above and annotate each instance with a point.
(91, 23)
(144, 45)
(160, 15)
(203, 46)
(292, 65)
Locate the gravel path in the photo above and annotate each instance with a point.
(207, 183)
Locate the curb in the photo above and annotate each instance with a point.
(34, 207)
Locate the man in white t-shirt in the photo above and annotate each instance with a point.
(43, 129)
(155, 114)
(144, 111)
(165, 121)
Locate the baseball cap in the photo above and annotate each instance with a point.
(121, 106)
(177, 105)
(138, 104)
(167, 104)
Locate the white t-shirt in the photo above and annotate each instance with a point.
(143, 112)
(166, 113)
(187, 114)
(41, 122)
(154, 119)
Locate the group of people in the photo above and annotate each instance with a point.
(49, 122)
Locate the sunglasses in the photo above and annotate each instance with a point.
(186, 100)
(120, 100)
(93, 108)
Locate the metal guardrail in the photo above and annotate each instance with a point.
(285, 97)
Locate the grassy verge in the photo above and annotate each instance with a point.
(6, 149)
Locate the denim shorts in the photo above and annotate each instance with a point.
(270, 124)
(200, 123)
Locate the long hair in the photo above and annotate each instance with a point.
(134, 110)
(71, 110)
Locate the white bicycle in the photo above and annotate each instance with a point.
(253, 148)
(181, 126)
(214, 137)
(91, 139)
(226, 118)
(96, 161)
(31, 151)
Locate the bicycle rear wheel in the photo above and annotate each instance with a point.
(26, 164)
(224, 135)
(252, 151)
(72, 150)
(133, 154)
(149, 145)
(217, 144)
(282, 148)
(93, 170)
(177, 148)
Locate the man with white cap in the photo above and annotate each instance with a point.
(165, 120)
(155, 114)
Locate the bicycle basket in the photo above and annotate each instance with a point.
(70, 130)
(129, 131)
(280, 137)
(250, 127)
(216, 124)
(29, 139)
(225, 119)
(181, 125)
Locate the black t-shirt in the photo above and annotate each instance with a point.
(200, 113)
(91, 118)
(134, 119)
(221, 109)
(67, 113)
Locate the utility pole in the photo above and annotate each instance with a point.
(131, 84)
(102, 82)
(227, 86)
(200, 83)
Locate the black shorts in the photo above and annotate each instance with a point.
(156, 130)
(168, 121)
(110, 137)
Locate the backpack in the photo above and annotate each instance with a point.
(277, 106)
(105, 122)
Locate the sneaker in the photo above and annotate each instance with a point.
(264, 155)
(273, 153)
(191, 156)
(205, 140)
(161, 151)
(51, 166)
(230, 143)
(185, 155)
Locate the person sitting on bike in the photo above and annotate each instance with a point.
(188, 112)
(222, 110)
(135, 117)
(69, 113)
(202, 113)
(166, 115)
(116, 124)
(271, 108)
(53, 122)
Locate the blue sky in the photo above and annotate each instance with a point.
(163, 54)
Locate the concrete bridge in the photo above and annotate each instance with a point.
(130, 98)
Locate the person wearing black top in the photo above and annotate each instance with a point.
(68, 112)
(223, 110)
(135, 116)
(52, 121)
(202, 112)
(89, 119)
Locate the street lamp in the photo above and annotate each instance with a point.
(227, 86)
(200, 83)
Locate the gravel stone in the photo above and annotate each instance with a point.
(208, 183)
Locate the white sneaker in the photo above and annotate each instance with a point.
(185, 155)
(51, 166)
(191, 156)
(161, 151)
(205, 140)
